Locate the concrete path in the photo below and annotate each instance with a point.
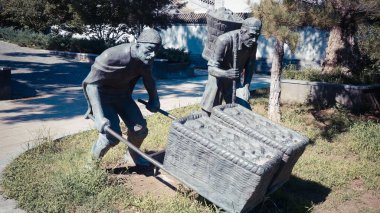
(58, 108)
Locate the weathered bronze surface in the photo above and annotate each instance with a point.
(233, 158)
(231, 60)
(109, 86)
(285, 140)
(225, 166)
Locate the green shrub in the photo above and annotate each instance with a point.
(174, 55)
(369, 46)
(88, 46)
(60, 43)
(336, 76)
(63, 43)
(290, 72)
(24, 38)
(28, 38)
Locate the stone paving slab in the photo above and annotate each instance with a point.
(59, 105)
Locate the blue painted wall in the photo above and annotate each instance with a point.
(309, 53)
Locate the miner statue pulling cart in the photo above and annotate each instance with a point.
(108, 89)
(233, 56)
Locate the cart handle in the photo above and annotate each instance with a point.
(159, 110)
(130, 145)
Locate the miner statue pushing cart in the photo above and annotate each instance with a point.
(234, 157)
(233, 56)
(108, 89)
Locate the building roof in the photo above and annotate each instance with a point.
(196, 18)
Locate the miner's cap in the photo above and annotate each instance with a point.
(149, 36)
(252, 24)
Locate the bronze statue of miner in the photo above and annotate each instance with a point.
(109, 86)
(221, 66)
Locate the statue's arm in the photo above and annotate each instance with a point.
(220, 49)
(95, 101)
(150, 86)
(221, 73)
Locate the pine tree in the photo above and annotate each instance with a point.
(280, 20)
(107, 19)
(342, 18)
(37, 15)
(111, 19)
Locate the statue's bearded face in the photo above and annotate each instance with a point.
(146, 52)
(249, 36)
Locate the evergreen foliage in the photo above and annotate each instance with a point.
(280, 20)
(336, 76)
(110, 20)
(342, 18)
(24, 38)
(29, 38)
(369, 45)
(329, 13)
(100, 19)
(37, 15)
(174, 55)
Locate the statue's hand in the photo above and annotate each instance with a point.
(101, 124)
(243, 93)
(232, 73)
(153, 106)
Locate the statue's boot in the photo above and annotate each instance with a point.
(131, 155)
(136, 138)
(101, 147)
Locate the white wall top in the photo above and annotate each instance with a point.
(236, 6)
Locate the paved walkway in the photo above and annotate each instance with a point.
(58, 108)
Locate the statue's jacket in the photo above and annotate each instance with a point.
(115, 70)
(223, 58)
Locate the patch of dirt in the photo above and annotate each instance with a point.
(359, 200)
(371, 199)
(310, 120)
(160, 186)
(368, 201)
(357, 185)
(145, 180)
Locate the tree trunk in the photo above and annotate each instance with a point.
(342, 50)
(275, 83)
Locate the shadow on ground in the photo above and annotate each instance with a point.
(57, 87)
(47, 77)
(23, 54)
(146, 171)
(55, 90)
(297, 196)
(22, 90)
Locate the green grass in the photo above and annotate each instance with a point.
(344, 149)
(56, 176)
